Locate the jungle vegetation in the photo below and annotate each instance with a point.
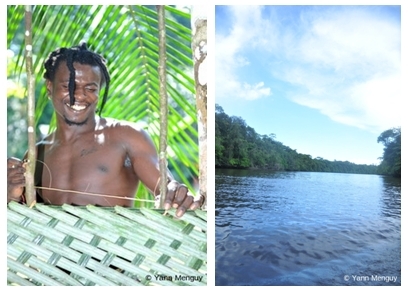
(391, 158)
(238, 145)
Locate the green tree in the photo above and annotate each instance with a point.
(391, 159)
(237, 145)
(127, 36)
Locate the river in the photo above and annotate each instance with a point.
(306, 229)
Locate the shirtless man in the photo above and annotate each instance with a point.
(87, 153)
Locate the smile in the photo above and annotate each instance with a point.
(77, 107)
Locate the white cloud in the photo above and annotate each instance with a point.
(349, 39)
(342, 61)
(348, 62)
(230, 57)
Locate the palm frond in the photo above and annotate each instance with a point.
(127, 37)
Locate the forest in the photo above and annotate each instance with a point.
(238, 145)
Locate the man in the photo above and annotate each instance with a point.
(90, 159)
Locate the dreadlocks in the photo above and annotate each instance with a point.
(82, 55)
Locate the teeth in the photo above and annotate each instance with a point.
(77, 107)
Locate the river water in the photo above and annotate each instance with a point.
(307, 229)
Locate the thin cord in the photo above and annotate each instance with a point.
(94, 194)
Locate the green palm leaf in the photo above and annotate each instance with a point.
(127, 36)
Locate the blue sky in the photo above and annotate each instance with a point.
(324, 79)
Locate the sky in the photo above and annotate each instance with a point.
(326, 80)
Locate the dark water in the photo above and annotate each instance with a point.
(293, 228)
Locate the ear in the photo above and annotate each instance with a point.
(48, 85)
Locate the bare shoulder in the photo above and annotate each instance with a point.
(128, 132)
(122, 127)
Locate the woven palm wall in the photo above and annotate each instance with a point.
(73, 245)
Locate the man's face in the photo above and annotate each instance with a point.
(87, 86)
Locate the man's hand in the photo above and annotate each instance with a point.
(180, 198)
(15, 179)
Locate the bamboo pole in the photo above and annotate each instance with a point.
(163, 104)
(199, 48)
(30, 193)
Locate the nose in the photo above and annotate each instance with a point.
(79, 94)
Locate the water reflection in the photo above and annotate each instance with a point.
(253, 173)
(304, 228)
(391, 198)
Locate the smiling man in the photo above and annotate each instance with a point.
(89, 159)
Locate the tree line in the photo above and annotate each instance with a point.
(391, 159)
(238, 145)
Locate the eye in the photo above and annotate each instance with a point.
(90, 89)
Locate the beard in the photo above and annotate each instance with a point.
(71, 123)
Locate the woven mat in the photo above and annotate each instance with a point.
(76, 245)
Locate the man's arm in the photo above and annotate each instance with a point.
(145, 162)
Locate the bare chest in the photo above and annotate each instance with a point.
(83, 167)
